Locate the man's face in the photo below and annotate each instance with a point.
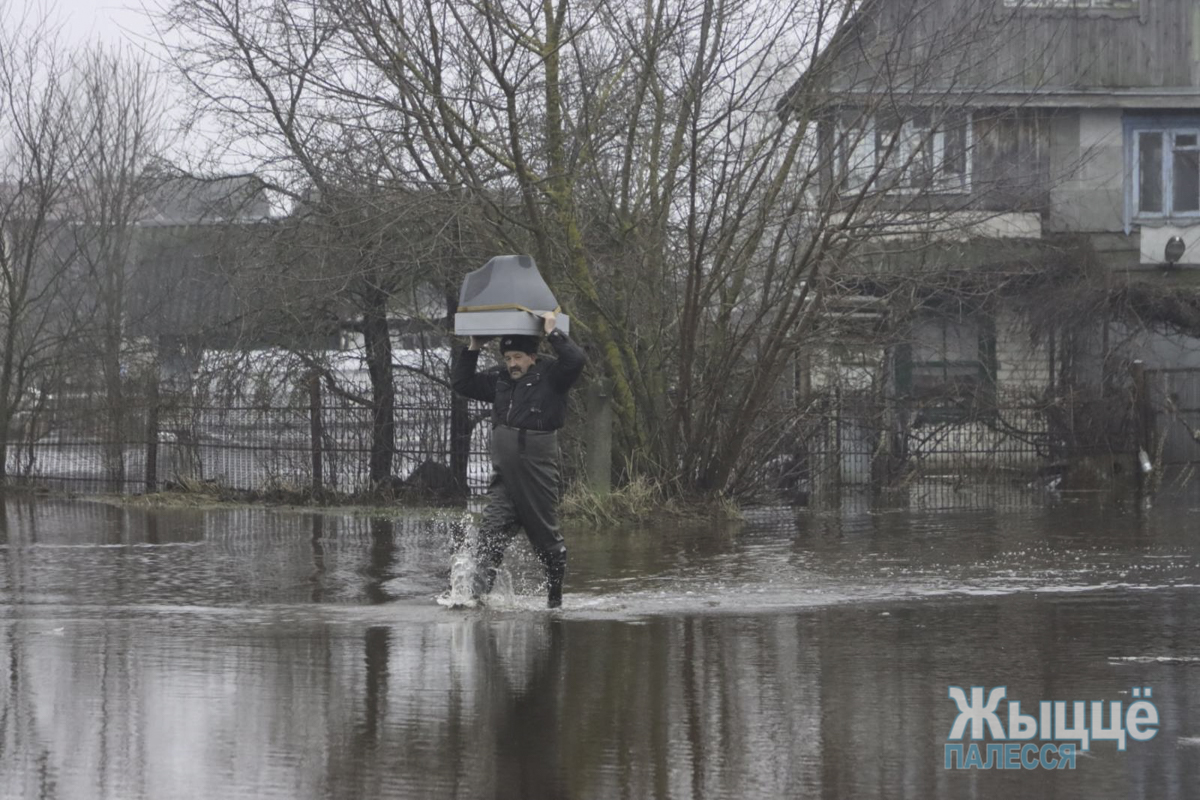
(518, 363)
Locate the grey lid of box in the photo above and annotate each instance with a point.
(506, 281)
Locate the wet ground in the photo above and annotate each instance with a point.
(256, 653)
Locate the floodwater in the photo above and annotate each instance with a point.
(257, 653)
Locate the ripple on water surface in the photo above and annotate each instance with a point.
(266, 654)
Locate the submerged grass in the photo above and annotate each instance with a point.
(199, 494)
(639, 500)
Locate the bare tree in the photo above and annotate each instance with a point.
(40, 306)
(363, 225)
(121, 139)
(691, 174)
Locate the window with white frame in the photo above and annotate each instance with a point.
(1164, 169)
(925, 150)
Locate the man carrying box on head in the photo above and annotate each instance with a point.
(529, 404)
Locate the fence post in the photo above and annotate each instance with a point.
(599, 432)
(316, 429)
(152, 434)
(1143, 420)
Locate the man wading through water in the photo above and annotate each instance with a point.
(529, 405)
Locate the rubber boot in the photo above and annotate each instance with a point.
(488, 556)
(556, 571)
(489, 578)
(482, 582)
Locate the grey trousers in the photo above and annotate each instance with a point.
(523, 493)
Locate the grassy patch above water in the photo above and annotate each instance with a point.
(200, 494)
(638, 500)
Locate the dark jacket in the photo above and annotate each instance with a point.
(538, 400)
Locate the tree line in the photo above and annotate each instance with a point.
(697, 180)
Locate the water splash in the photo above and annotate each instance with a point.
(462, 566)
(462, 576)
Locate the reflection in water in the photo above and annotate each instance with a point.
(381, 554)
(318, 558)
(256, 654)
(839, 703)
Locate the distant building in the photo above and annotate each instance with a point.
(1035, 173)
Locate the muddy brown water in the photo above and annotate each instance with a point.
(258, 653)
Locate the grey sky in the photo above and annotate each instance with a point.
(117, 22)
(109, 21)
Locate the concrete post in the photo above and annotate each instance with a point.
(152, 432)
(598, 426)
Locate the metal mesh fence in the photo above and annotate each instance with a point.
(300, 440)
(80, 445)
(1175, 396)
(931, 458)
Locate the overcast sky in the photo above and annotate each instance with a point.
(107, 20)
(117, 22)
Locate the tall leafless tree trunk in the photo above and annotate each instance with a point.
(366, 222)
(39, 135)
(122, 138)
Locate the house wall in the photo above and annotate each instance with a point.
(1156, 349)
(1022, 373)
(849, 369)
(1089, 188)
(1022, 366)
(1067, 76)
(1087, 171)
(1053, 93)
(1065, 165)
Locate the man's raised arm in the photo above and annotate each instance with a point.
(465, 378)
(571, 358)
